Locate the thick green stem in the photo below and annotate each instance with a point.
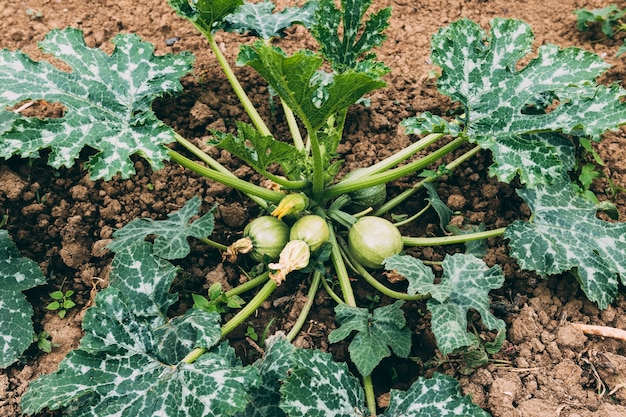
(396, 158)
(397, 200)
(318, 165)
(392, 174)
(360, 269)
(249, 308)
(200, 154)
(340, 270)
(370, 398)
(451, 240)
(293, 127)
(244, 313)
(248, 285)
(306, 308)
(254, 191)
(239, 91)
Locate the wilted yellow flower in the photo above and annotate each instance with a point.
(295, 255)
(243, 245)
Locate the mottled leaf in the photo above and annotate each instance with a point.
(516, 112)
(319, 387)
(274, 367)
(563, 235)
(171, 234)
(261, 20)
(107, 102)
(350, 47)
(375, 334)
(438, 396)
(420, 277)
(17, 274)
(130, 364)
(470, 280)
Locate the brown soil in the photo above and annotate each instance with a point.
(62, 220)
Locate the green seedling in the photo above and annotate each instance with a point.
(62, 301)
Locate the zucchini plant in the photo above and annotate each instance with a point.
(315, 223)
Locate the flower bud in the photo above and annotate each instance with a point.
(294, 256)
(291, 204)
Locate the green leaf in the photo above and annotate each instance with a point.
(260, 19)
(437, 396)
(131, 356)
(171, 241)
(376, 333)
(273, 367)
(443, 211)
(55, 305)
(517, 112)
(294, 79)
(107, 102)
(17, 274)
(606, 16)
(319, 387)
(206, 15)
(563, 235)
(56, 295)
(420, 277)
(464, 285)
(256, 150)
(350, 47)
(429, 123)
(470, 280)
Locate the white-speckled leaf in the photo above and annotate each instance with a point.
(471, 280)
(420, 277)
(319, 387)
(106, 98)
(376, 333)
(261, 20)
(17, 274)
(171, 234)
(563, 235)
(439, 396)
(129, 361)
(274, 368)
(508, 110)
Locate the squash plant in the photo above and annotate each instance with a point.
(138, 360)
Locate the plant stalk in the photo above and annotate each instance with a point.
(248, 285)
(254, 191)
(397, 200)
(306, 308)
(340, 270)
(239, 318)
(392, 174)
(239, 91)
(451, 240)
(249, 308)
(370, 397)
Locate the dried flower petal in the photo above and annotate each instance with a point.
(294, 256)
